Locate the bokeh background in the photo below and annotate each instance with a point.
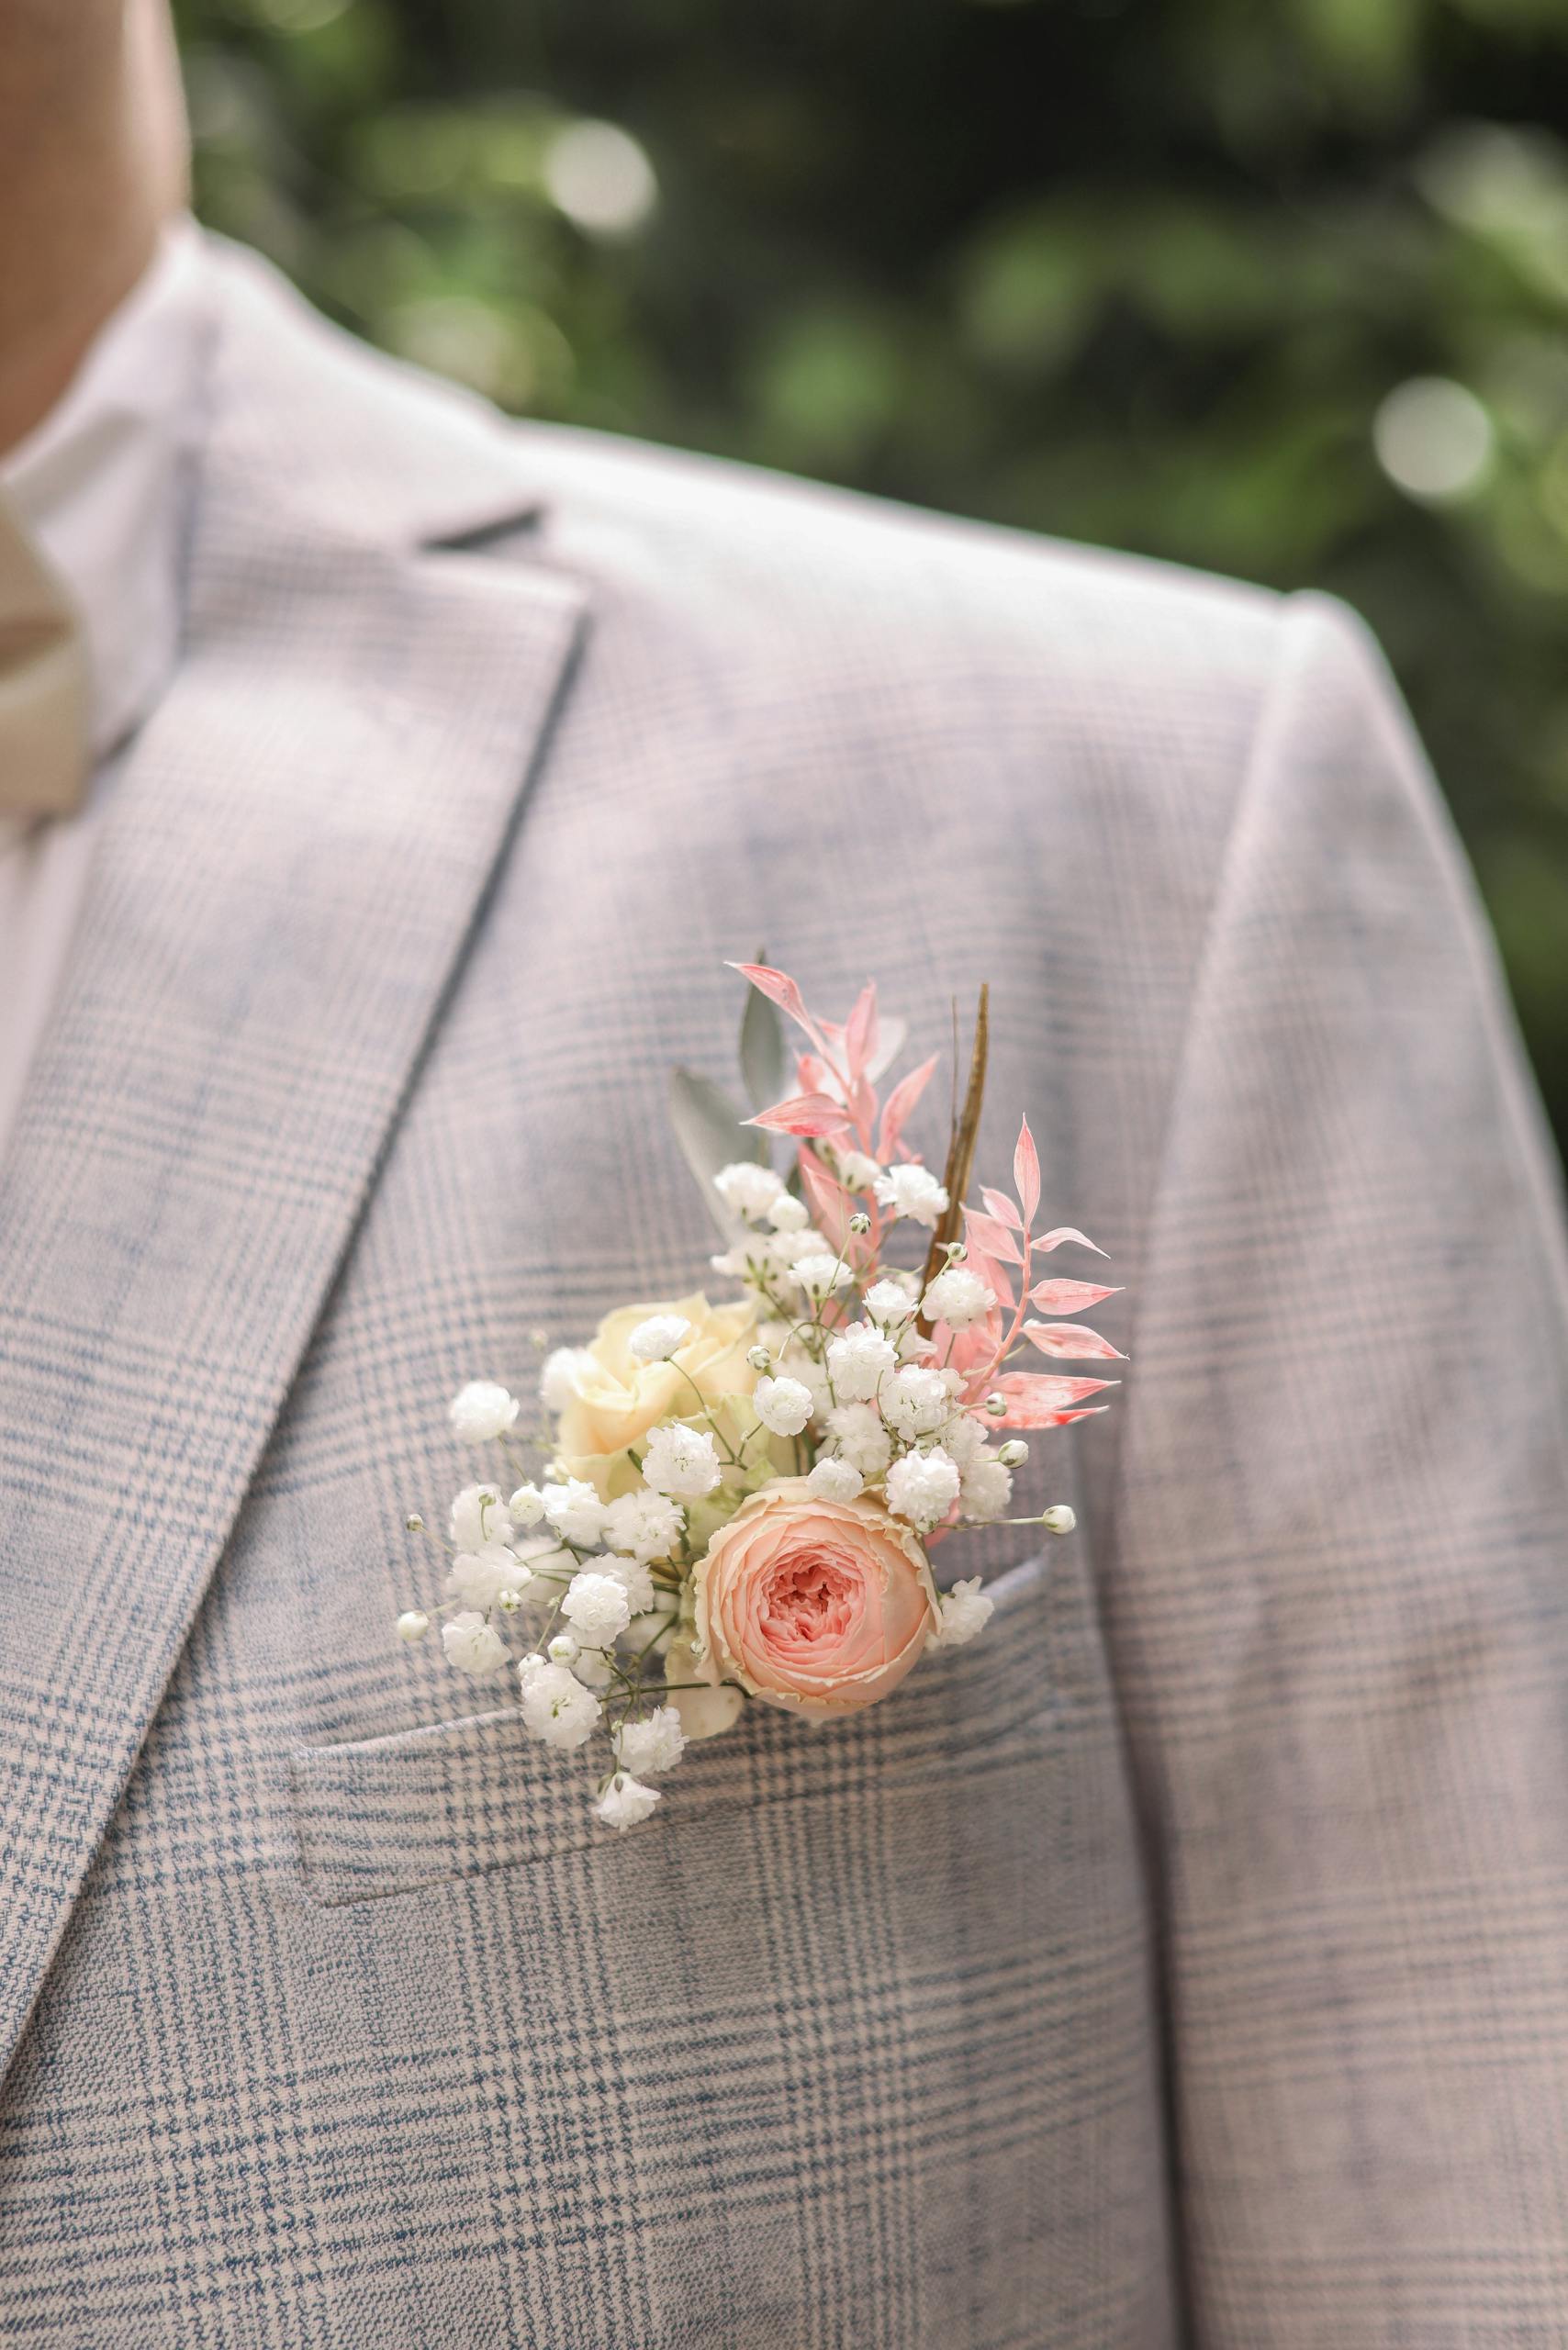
(1277, 289)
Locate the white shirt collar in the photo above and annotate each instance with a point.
(98, 483)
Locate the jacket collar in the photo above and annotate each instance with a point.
(284, 887)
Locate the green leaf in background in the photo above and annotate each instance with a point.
(709, 1129)
(762, 1047)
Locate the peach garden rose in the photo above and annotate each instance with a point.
(820, 1606)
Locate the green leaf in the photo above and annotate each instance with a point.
(709, 1129)
(762, 1048)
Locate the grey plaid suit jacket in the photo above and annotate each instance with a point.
(1184, 1963)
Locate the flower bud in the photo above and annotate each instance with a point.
(759, 1359)
(860, 1223)
(562, 1649)
(956, 1252)
(509, 1601)
(996, 1406)
(412, 1625)
(1058, 1519)
(1014, 1453)
(415, 1524)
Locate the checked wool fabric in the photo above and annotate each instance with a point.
(1182, 1964)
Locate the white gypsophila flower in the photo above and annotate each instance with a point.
(964, 1439)
(888, 1303)
(526, 1506)
(472, 1646)
(915, 1400)
(746, 1188)
(987, 1487)
(858, 1360)
(477, 1578)
(555, 1706)
(575, 1512)
(835, 1479)
(592, 1668)
(912, 1347)
(643, 1525)
(785, 1249)
(682, 1460)
(783, 1406)
(819, 1276)
(478, 1516)
(482, 1411)
(633, 1576)
(857, 1170)
(862, 1437)
(962, 1612)
(625, 1802)
(922, 1487)
(652, 1746)
(788, 1214)
(800, 1364)
(913, 1192)
(957, 1297)
(558, 1380)
(597, 1609)
(659, 1337)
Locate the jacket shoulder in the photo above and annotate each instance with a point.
(855, 572)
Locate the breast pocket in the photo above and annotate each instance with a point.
(382, 1816)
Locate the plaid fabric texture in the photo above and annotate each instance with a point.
(1184, 1964)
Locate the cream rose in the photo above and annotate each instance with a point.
(818, 1605)
(616, 1397)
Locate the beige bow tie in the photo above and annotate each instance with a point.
(43, 684)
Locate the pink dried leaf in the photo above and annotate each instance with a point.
(985, 1232)
(1035, 1401)
(829, 1203)
(1072, 1342)
(1001, 1207)
(862, 1105)
(1068, 1297)
(781, 989)
(1027, 1174)
(804, 1113)
(814, 1075)
(900, 1105)
(1050, 1241)
(994, 1275)
(860, 1035)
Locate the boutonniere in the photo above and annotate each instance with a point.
(740, 1502)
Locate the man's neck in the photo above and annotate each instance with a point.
(91, 166)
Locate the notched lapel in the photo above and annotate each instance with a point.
(285, 885)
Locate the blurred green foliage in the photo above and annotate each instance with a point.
(1279, 290)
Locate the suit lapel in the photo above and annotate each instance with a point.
(286, 880)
